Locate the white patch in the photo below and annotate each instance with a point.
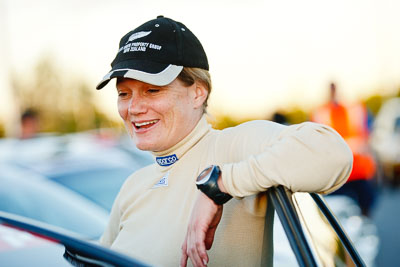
(137, 35)
(163, 181)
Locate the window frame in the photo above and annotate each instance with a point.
(281, 200)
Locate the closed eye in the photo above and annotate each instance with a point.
(153, 90)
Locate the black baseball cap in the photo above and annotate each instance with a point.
(156, 53)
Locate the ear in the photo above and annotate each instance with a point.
(200, 94)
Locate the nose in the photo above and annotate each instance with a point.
(137, 105)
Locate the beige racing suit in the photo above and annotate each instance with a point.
(150, 214)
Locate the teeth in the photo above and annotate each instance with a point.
(139, 124)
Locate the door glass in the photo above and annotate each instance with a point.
(323, 240)
(283, 253)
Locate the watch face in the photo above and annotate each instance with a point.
(204, 175)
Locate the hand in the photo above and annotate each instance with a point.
(203, 223)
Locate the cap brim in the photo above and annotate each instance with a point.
(165, 74)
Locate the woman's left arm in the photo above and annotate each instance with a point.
(306, 157)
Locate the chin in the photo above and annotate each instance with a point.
(143, 147)
(146, 147)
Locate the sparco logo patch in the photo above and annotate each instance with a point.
(167, 160)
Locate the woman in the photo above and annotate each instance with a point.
(168, 212)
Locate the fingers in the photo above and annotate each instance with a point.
(184, 256)
(198, 249)
(202, 225)
(194, 248)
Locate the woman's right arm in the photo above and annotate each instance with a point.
(112, 229)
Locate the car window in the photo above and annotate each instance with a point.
(283, 253)
(322, 238)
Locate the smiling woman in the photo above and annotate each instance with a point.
(161, 215)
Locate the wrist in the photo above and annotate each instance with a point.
(221, 184)
(209, 182)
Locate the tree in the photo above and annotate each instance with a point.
(64, 103)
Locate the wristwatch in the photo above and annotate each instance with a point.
(207, 183)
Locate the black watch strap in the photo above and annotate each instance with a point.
(211, 189)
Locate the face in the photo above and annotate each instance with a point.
(158, 117)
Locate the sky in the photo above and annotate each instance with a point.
(263, 55)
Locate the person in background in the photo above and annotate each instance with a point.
(204, 197)
(280, 118)
(29, 124)
(351, 122)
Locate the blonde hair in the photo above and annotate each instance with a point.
(191, 75)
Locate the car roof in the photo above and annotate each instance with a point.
(72, 153)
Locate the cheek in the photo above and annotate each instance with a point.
(122, 109)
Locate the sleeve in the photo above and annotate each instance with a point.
(112, 229)
(306, 157)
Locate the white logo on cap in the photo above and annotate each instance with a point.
(131, 46)
(137, 35)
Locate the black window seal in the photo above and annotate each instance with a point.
(291, 224)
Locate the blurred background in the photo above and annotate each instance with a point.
(275, 60)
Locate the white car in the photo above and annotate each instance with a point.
(25, 193)
(91, 166)
(385, 140)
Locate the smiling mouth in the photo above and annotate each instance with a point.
(146, 124)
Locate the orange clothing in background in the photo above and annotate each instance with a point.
(351, 124)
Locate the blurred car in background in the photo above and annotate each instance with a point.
(361, 230)
(385, 140)
(25, 193)
(86, 163)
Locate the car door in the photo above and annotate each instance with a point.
(312, 232)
